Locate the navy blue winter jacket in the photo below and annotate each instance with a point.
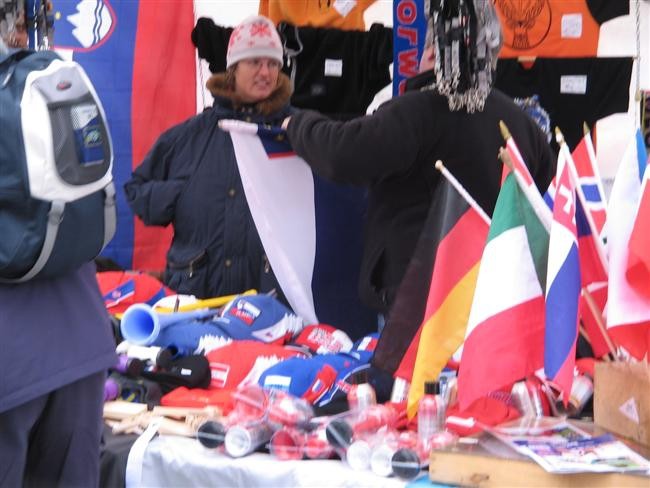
(190, 179)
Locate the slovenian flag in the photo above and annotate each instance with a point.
(311, 229)
(146, 82)
(562, 285)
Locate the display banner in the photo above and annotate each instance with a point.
(409, 30)
(146, 83)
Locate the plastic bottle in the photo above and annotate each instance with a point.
(241, 440)
(358, 454)
(382, 453)
(582, 390)
(400, 390)
(288, 443)
(430, 412)
(361, 395)
(407, 464)
(211, 434)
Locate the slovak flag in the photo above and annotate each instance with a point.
(311, 229)
(593, 260)
(591, 257)
(562, 284)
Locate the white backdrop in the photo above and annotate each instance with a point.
(618, 38)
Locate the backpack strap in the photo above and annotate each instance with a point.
(54, 217)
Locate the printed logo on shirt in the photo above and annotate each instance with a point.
(281, 382)
(528, 23)
(245, 311)
(119, 294)
(219, 374)
(573, 84)
(344, 7)
(334, 67)
(84, 25)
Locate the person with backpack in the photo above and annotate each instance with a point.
(57, 344)
(190, 179)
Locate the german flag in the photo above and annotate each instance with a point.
(427, 322)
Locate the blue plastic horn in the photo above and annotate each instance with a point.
(141, 324)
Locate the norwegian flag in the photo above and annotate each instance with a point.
(590, 183)
(562, 285)
(311, 229)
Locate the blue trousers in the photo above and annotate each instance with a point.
(54, 440)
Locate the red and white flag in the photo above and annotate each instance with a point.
(628, 307)
(638, 264)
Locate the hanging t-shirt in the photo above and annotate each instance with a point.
(337, 72)
(555, 28)
(341, 14)
(570, 90)
(211, 42)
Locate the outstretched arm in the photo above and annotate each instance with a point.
(358, 151)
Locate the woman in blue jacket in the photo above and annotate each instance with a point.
(190, 179)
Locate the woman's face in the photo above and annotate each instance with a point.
(256, 78)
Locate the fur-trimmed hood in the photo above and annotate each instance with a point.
(218, 86)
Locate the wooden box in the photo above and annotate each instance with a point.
(622, 399)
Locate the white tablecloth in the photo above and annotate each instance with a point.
(170, 461)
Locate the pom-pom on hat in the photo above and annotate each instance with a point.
(255, 37)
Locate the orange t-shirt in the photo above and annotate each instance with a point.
(555, 28)
(339, 14)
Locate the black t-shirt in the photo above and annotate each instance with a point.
(337, 72)
(334, 71)
(572, 91)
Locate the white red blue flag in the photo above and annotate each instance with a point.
(311, 229)
(562, 284)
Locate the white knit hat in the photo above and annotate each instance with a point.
(255, 37)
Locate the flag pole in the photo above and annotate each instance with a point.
(463, 192)
(585, 335)
(595, 310)
(543, 213)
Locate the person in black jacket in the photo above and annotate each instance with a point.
(448, 114)
(190, 179)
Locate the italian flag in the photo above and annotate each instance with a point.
(504, 340)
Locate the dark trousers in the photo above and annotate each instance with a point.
(54, 440)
